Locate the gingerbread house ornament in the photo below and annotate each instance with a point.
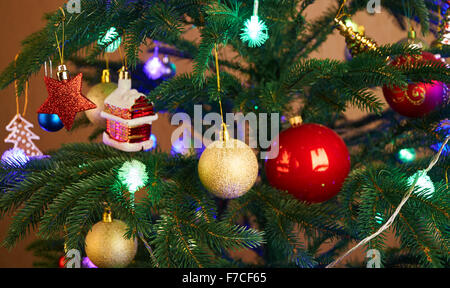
(129, 116)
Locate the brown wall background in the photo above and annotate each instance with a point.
(20, 18)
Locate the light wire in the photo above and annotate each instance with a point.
(16, 88)
(397, 211)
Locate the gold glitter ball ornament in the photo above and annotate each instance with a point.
(98, 94)
(106, 246)
(228, 169)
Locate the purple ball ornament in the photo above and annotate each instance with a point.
(154, 68)
(418, 99)
(87, 263)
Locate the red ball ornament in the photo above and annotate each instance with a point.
(418, 99)
(312, 163)
(62, 262)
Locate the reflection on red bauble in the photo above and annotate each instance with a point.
(62, 262)
(312, 163)
(418, 99)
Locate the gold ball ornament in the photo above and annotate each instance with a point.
(106, 246)
(98, 94)
(228, 169)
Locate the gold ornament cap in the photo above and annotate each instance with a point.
(296, 121)
(124, 74)
(412, 34)
(106, 76)
(107, 215)
(62, 73)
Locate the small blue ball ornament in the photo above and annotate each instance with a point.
(50, 122)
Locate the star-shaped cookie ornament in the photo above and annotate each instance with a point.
(65, 99)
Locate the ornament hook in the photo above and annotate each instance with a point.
(51, 68)
(339, 14)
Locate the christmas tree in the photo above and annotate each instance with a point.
(303, 201)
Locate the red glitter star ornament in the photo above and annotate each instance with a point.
(65, 98)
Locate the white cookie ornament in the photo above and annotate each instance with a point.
(22, 137)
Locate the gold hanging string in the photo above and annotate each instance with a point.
(219, 89)
(338, 15)
(59, 49)
(63, 40)
(408, 13)
(446, 177)
(26, 99)
(16, 88)
(439, 17)
(122, 57)
(218, 79)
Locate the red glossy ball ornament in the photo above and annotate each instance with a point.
(312, 163)
(62, 262)
(418, 99)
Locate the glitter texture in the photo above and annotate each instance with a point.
(65, 99)
(107, 248)
(228, 169)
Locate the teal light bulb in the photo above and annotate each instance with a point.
(406, 155)
(109, 36)
(133, 174)
(255, 32)
(379, 218)
(424, 184)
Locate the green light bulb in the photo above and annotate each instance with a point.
(406, 155)
(109, 36)
(379, 218)
(255, 32)
(350, 23)
(424, 184)
(133, 174)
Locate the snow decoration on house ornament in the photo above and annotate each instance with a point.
(22, 137)
(129, 116)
